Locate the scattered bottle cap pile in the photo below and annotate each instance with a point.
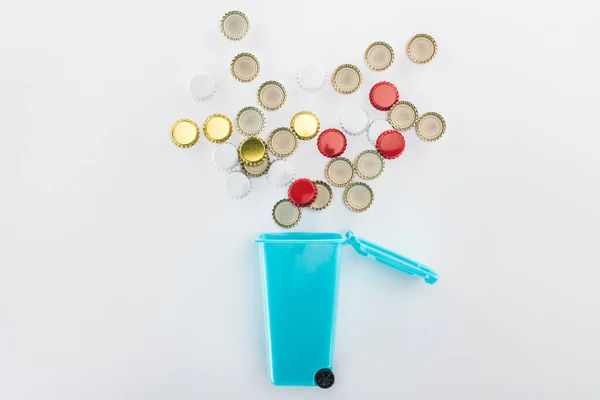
(251, 158)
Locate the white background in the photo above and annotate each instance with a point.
(126, 272)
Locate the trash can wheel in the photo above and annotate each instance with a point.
(324, 378)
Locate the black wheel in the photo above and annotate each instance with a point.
(324, 378)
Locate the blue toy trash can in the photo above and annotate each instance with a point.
(300, 273)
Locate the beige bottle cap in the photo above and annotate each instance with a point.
(379, 56)
(286, 214)
(217, 128)
(358, 196)
(245, 67)
(431, 126)
(235, 25)
(324, 196)
(271, 95)
(347, 79)
(339, 171)
(369, 164)
(422, 48)
(255, 171)
(305, 125)
(184, 133)
(250, 121)
(283, 142)
(403, 115)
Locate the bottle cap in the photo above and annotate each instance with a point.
(252, 151)
(369, 164)
(237, 185)
(422, 48)
(184, 133)
(202, 87)
(331, 143)
(311, 78)
(403, 115)
(302, 192)
(235, 25)
(376, 128)
(347, 79)
(255, 171)
(354, 121)
(271, 95)
(390, 144)
(283, 142)
(379, 56)
(245, 67)
(305, 125)
(324, 196)
(431, 126)
(217, 128)
(358, 196)
(339, 171)
(281, 173)
(250, 121)
(383, 95)
(286, 214)
(225, 157)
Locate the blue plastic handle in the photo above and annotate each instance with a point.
(391, 259)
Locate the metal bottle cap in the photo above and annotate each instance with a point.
(235, 25)
(283, 142)
(390, 144)
(431, 126)
(286, 214)
(255, 171)
(281, 173)
(383, 95)
(339, 171)
(311, 78)
(347, 78)
(376, 128)
(302, 192)
(237, 185)
(331, 143)
(271, 95)
(250, 121)
(252, 151)
(324, 196)
(217, 128)
(358, 196)
(245, 67)
(184, 133)
(379, 56)
(369, 164)
(422, 48)
(403, 115)
(202, 87)
(225, 157)
(305, 125)
(354, 121)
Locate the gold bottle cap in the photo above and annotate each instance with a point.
(347, 78)
(403, 115)
(185, 133)
(339, 171)
(369, 164)
(422, 48)
(250, 121)
(324, 196)
(217, 128)
(305, 125)
(235, 25)
(376, 128)
(431, 126)
(271, 95)
(245, 67)
(379, 56)
(358, 196)
(252, 151)
(286, 214)
(255, 171)
(283, 142)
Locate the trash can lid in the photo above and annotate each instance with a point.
(391, 259)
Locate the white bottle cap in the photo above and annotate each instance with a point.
(377, 126)
(311, 78)
(225, 156)
(354, 120)
(281, 173)
(237, 185)
(202, 87)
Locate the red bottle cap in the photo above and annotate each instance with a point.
(331, 143)
(302, 192)
(390, 144)
(383, 95)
